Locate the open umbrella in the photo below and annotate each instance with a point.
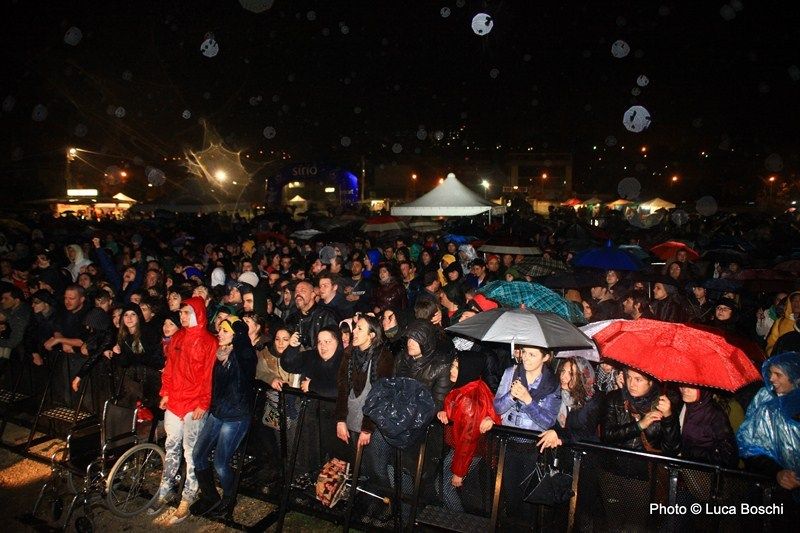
(425, 225)
(590, 354)
(792, 265)
(763, 279)
(677, 352)
(541, 266)
(305, 234)
(607, 257)
(534, 296)
(667, 250)
(573, 280)
(522, 326)
(383, 224)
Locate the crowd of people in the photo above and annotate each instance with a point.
(184, 322)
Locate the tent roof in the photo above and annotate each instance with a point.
(620, 202)
(658, 203)
(123, 198)
(451, 198)
(298, 198)
(591, 201)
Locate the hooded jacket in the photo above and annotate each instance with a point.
(771, 428)
(783, 325)
(74, 267)
(432, 368)
(706, 433)
(233, 380)
(191, 355)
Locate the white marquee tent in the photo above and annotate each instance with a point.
(452, 198)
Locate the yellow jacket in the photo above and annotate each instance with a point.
(782, 325)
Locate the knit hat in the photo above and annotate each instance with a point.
(250, 278)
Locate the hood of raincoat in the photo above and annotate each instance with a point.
(199, 307)
(425, 334)
(771, 427)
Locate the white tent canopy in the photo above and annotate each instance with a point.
(451, 198)
(123, 198)
(657, 203)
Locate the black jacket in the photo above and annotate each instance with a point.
(432, 368)
(232, 381)
(620, 428)
(582, 423)
(310, 365)
(309, 325)
(666, 310)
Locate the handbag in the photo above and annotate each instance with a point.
(547, 484)
(331, 482)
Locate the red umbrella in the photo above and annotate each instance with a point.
(677, 352)
(667, 250)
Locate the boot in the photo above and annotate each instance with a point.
(209, 497)
(225, 508)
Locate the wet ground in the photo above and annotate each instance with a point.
(21, 479)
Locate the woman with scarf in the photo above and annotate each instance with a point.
(470, 408)
(318, 369)
(269, 369)
(528, 398)
(228, 418)
(365, 361)
(388, 292)
(638, 418)
(140, 353)
(578, 414)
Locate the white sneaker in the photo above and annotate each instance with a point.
(180, 513)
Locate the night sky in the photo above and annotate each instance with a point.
(342, 80)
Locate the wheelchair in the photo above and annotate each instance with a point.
(115, 469)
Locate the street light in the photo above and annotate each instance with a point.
(544, 177)
(485, 184)
(771, 183)
(674, 180)
(221, 175)
(72, 153)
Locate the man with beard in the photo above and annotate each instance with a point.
(309, 317)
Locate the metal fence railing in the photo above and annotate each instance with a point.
(611, 488)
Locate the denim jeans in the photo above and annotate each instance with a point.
(451, 495)
(224, 438)
(182, 435)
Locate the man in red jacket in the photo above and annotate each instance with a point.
(186, 396)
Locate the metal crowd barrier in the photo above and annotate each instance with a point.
(612, 488)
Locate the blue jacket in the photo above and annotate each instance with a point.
(542, 411)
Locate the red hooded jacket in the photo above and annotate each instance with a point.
(466, 406)
(190, 355)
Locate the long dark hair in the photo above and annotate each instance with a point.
(373, 326)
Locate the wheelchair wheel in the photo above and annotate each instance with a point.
(134, 479)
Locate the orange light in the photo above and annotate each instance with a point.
(123, 174)
(772, 178)
(544, 175)
(644, 149)
(674, 178)
(413, 176)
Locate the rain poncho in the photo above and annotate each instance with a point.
(467, 406)
(466, 253)
(771, 427)
(401, 408)
(79, 262)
